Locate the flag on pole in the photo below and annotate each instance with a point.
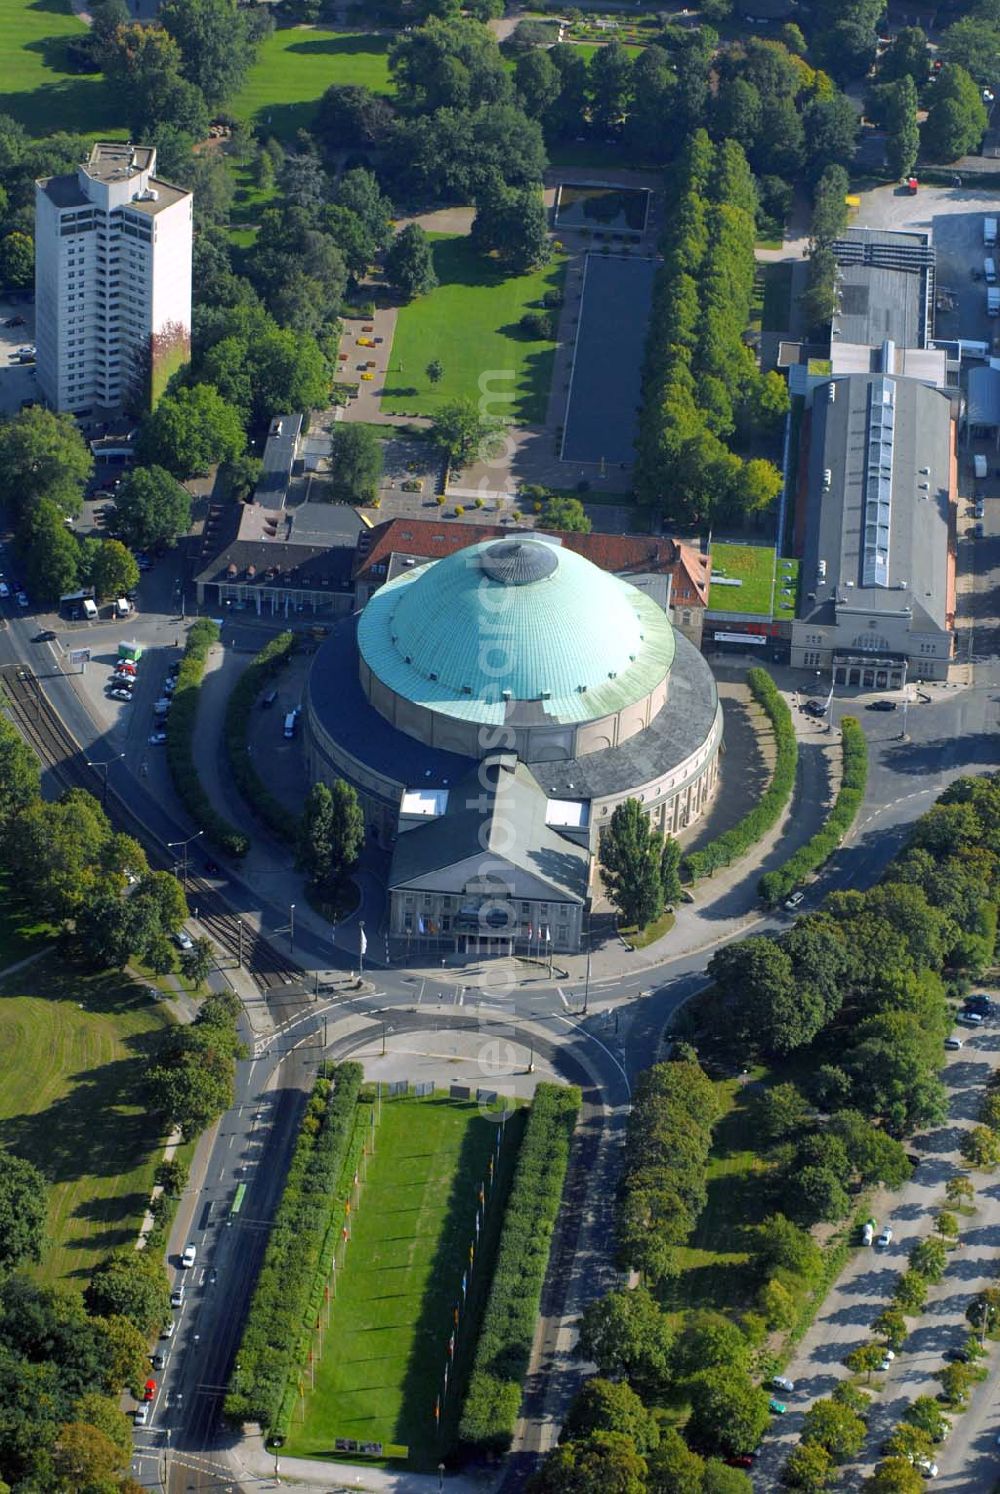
(531, 931)
(421, 926)
(344, 1232)
(355, 1179)
(446, 1379)
(363, 942)
(491, 1169)
(472, 1254)
(477, 1224)
(465, 1282)
(482, 1194)
(347, 1206)
(451, 1347)
(456, 1308)
(437, 1408)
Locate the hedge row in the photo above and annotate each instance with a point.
(777, 884)
(272, 657)
(180, 742)
(278, 1309)
(496, 1383)
(768, 809)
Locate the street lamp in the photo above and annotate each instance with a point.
(291, 928)
(440, 1477)
(184, 846)
(105, 765)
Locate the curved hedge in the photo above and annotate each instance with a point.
(768, 810)
(777, 884)
(272, 657)
(496, 1383)
(180, 742)
(272, 1335)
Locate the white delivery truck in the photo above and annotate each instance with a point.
(980, 466)
(990, 271)
(989, 232)
(122, 607)
(993, 300)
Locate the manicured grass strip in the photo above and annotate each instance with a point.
(294, 68)
(504, 1348)
(180, 742)
(753, 567)
(470, 325)
(39, 90)
(239, 707)
(769, 808)
(398, 1282)
(269, 1355)
(777, 884)
(74, 1052)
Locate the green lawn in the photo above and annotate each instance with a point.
(297, 64)
(754, 567)
(39, 91)
(74, 1049)
(385, 1347)
(470, 324)
(20, 933)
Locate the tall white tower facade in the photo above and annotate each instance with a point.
(112, 281)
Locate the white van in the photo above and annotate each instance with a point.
(989, 232)
(291, 721)
(990, 271)
(89, 608)
(980, 466)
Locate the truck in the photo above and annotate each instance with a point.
(980, 466)
(131, 651)
(123, 607)
(993, 300)
(990, 271)
(989, 232)
(79, 603)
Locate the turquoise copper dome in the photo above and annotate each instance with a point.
(519, 619)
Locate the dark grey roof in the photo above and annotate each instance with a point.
(984, 397)
(306, 567)
(517, 562)
(324, 523)
(916, 564)
(64, 191)
(495, 820)
(678, 731)
(884, 282)
(280, 451)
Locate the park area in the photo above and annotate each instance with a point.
(39, 91)
(74, 1051)
(752, 579)
(380, 1370)
(471, 325)
(294, 68)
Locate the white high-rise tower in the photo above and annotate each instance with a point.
(112, 281)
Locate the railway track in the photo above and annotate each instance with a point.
(45, 731)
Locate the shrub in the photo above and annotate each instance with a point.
(538, 325)
(310, 1208)
(496, 1383)
(272, 657)
(180, 742)
(767, 811)
(776, 885)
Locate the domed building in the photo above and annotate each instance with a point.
(491, 708)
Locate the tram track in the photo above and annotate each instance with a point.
(47, 734)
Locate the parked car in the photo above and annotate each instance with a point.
(887, 1359)
(183, 941)
(978, 1003)
(162, 706)
(4, 589)
(881, 705)
(177, 1297)
(170, 684)
(793, 902)
(816, 707)
(159, 1359)
(118, 692)
(927, 1467)
(141, 1414)
(125, 666)
(167, 1331)
(778, 1408)
(971, 1019)
(885, 1238)
(149, 1390)
(190, 1251)
(782, 1382)
(157, 738)
(45, 636)
(868, 1231)
(22, 599)
(953, 1044)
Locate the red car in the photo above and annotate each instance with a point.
(149, 1391)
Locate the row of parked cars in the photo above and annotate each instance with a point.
(122, 683)
(160, 1356)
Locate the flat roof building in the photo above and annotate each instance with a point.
(112, 281)
(885, 282)
(877, 532)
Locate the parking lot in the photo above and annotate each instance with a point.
(17, 380)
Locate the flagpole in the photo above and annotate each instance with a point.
(362, 947)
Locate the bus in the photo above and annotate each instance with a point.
(241, 1193)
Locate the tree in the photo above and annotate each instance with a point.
(462, 431)
(610, 86)
(109, 568)
(537, 80)
(957, 1381)
(131, 1284)
(911, 1292)
(759, 484)
(511, 222)
(894, 1476)
(946, 1225)
(20, 776)
(214, 44)
(144, 65)
(315, 846)
(603, 1463)
(85, 1459)
(892, 1326)
(435, 371)
(673, 1467)
(865, 1359)
(767, 1007)
(670, 870)
(42, 455)
(409, 263)
(566, 514)
(708, 1341)
(23, 1211)
(960, 1191)
(910, 1442)
(188, 432)
(908, 57)
(781, 1110)
(350, 117)
(728, 1412)
(929, 1259)
(610, 1406)
(193, 1093)
(151, 509)
(625, 1333)
(198, 961)
(347, 828)
(17, 261)
(956, 120)
(926, 1413)
(356, 462)
(808, 1467)
(783, 1246)
(172, 1176)
(902, 144)
(60, 846)
(630, 852)
(102, 1412)
(981, 1148)
(974, 43)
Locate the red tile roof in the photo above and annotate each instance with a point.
(620, 553)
